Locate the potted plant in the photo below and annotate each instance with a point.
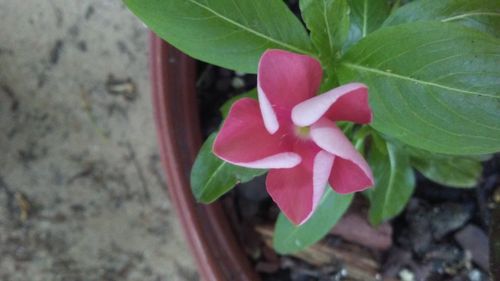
(430, 70)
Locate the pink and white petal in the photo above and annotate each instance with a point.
(268, 115)
(323, 164)
(298, 191)
(285, 79)
(351, 172)
(345, 103)
(346, 177)
(244, 141)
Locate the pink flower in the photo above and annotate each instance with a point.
(291, 131)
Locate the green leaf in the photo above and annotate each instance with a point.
(454, 171)
(480, 14)
(289, 238)
(394, 182)
(229, 33)
(450, 171)
(224, 109)
(435, 86)
(328, 21)
(212, 177)
(366, 17)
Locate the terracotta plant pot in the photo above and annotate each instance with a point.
(211, 240)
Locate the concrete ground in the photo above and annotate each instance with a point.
(82, 195)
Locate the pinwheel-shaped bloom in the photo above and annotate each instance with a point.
(291, 131)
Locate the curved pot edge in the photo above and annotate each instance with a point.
(212, 243)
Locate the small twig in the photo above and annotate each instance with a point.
(87, 107)
(140, 173)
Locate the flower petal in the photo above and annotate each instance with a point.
(350, 172)
(345, 103)
(298, 190)
(244, 141)
(285, 79)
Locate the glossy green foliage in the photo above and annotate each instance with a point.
(211, 177)
(328, 22)
(483, 15)
(394, 181)
(432, 85)
(453, 171)
(432, 67)
(289, 238)
(229, 33)
(366, 17)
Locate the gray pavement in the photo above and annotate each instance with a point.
(82, 195)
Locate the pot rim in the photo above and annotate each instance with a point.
(213, 244)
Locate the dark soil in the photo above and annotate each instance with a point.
(440, 236)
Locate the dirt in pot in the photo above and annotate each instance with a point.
(441, 235)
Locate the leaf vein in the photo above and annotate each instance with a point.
(422, 82)
(472, 14)
(257, 33)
